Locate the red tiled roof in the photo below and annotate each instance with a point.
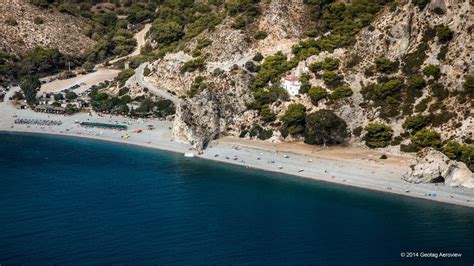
(291, 78)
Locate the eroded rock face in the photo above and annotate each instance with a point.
(217, 110)
(432, 166)
(197, 120)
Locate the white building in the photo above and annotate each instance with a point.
(291, 84)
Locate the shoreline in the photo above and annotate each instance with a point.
(349, 166)
(333, 177)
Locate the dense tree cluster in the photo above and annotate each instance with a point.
(378, 135)
(323, 127)
(30, 86)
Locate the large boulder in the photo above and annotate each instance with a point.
(432, 166)
(197, 120)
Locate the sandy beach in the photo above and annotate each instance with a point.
(357, 167)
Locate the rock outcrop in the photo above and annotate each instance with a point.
(218, 109)
(432, 166)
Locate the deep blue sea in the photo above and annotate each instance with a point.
(74, 201)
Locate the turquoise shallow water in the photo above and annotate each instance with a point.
(74, 201)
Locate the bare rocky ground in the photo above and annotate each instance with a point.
(21, 29)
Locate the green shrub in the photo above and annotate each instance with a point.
(124, 75)
(460, 152)
(421, 3)
(331, 78)
(272, 67)
(315, 67)
(422, 105)
(441, 118)
(193, 65)
(386, 66)
(38, 20)
(251, 66)
(270, 95)
(257, 57)
(71, 95)
(341, 92)
(243, 133)
(11, 22)
(416, 83)
(326, 128)
(266, 114)
(378, 135)
(439, 91)
(197, 86)
(316, 94)
(415, 123)
(409, 148)
(88, 66)
(432, 71)
(239, 23)
(444, 33)
(442, 53)
(265, 134)
(123, 91)
(71, 109)
(384, 90)
(329, 64)
(294, 118)
(426, 138)
(357, 131)
(413, 61)
(469, 83)
(305, 85)
(260, 35)
(58, 97)
(255, 130)
(396, 141)
(202, 43)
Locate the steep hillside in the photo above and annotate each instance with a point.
(395, 75)
(24, 26)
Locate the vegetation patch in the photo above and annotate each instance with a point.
(384, 65)
(294, 119)
(193, 65)
(460, 152)
(426, 138)
(340, 93)
(416, 123)
(323, 127)
(378, 135)
(316, 94)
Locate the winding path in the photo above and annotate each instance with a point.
(141, 41)
(139, 76)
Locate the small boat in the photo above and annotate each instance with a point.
(189, 154)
